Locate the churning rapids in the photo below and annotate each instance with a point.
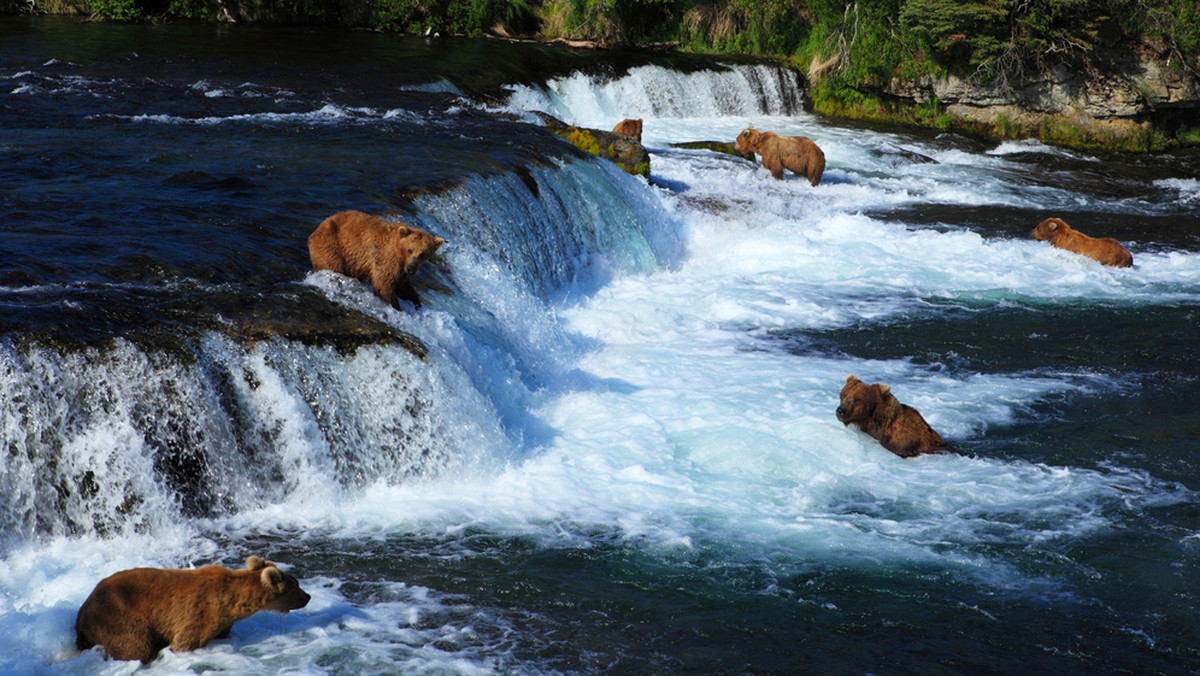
(607, 443)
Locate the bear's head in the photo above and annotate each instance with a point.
(748, 140)
(630, 127)
(1049, 228)
(417, 246)
(860, 401)
(283, 590)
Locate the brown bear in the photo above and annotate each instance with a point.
(379, 252)
(630, 128)
(1104, 250)
(135, 613)
(796, 153)
(876, 411)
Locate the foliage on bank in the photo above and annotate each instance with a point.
(990, 37)
(851, 50)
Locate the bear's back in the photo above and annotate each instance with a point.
(1104, 250)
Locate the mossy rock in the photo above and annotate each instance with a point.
(617, 148)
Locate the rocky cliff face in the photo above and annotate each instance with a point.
(1122, 96)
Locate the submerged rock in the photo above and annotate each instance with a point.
(617, 148)
(717, 147)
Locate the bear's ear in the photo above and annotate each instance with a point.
(885, 390)
(256, 563)
(438, 242)
(1053, 224)
(851, 378)
(404, 230)
(272, 578)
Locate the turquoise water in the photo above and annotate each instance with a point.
(619, 453)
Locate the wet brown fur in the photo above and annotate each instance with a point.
(877, 412)
(379, 252)
(1104, 250)
(795, 153)
(630, 128)
(136, 613)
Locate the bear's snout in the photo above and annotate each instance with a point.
(842, 415)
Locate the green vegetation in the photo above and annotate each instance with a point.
(852, 51)
(882, 38)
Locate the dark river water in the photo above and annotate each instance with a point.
(606, 443)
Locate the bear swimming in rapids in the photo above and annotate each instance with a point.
(379, 252)
(795, 153)
(1104, 250)
(136, 613)
(876, 411)
(630, 128)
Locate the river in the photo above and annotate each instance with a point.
(606, 443)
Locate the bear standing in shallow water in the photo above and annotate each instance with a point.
(1104, 250)
(876, 411)
(136, 613)
(376, 251)
(796, 153)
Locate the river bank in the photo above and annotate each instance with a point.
(1116, 76)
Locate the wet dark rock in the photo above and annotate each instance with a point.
(172, 321)
(715, 146)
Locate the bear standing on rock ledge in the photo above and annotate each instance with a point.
(796, 153)
(376, 251)
(136, 613)
(1104, 250)
(876, 411)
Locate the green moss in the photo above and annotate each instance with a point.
(1188, 136)
(583, 140)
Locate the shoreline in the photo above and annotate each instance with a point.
(1137, 103)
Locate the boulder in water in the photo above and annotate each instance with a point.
(617, 148)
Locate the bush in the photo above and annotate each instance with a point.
(114, 10)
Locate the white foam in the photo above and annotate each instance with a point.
(654, 92)
(441, 86)
(1035, 146)
(1188, 188)
(327, 114)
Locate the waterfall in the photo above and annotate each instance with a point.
(654, 92)
(122, 437)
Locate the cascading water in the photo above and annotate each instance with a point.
(119, 437)
(657, 92)
(607, 441)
